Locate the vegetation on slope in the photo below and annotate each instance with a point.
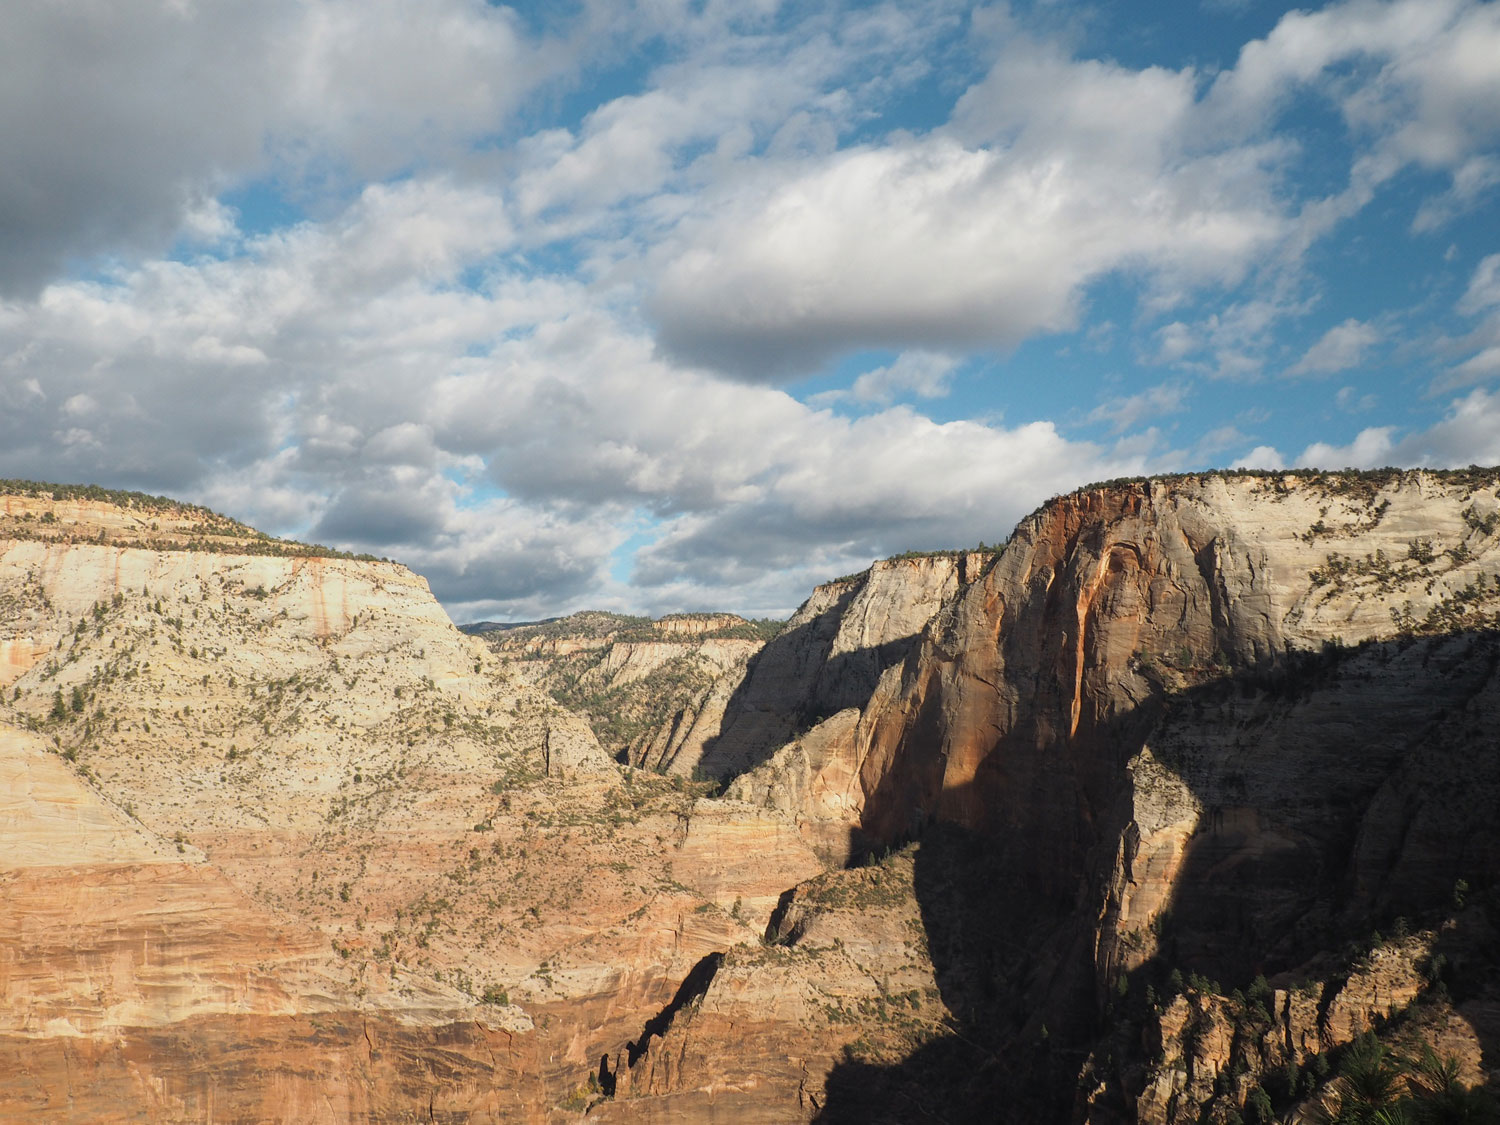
(188, 527)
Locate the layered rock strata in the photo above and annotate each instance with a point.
(1154, 777)
(282, 844)
(1222, 725)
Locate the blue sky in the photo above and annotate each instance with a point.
(679, 305)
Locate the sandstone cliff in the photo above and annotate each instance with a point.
(1132, 799)
(1217, 727)
(280, 843)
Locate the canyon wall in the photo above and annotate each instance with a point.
(279, 843)
(1101, 828)
(1223, 726)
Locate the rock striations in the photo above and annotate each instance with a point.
(280, 843)
(1147, 817)
(1198, 730)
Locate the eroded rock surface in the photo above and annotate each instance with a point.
(1225, 725)
(280, 843)
(1149, 783)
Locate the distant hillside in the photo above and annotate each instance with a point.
(70, 513)
(629, 676)
(602, 626)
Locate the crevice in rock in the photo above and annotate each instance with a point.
(778, 916)
(693, 986)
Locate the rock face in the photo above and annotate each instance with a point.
(842, 966)
(704, 695)
(643, 685)
(277, 842)
(830, 657)
(1225, 725)
(1130, 802)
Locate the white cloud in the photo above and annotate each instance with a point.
(1484, 287)
(1340, 348)
(1482, 300)
(1217, 440)
(502, 439)
(451, 360)
(123, 121)
(1176, 341)
(1472, 180)
(1127, 412)
(1261, 457)
(1370, 449)
(1053, 173)
(1468, 434)
(924, 374)
(1231, 342)
(1432, 97)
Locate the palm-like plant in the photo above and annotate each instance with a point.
(1372, 1081)
(1439, 1096)
(1368, 1088)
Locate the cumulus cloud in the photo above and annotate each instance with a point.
(1340, 348)
(124, 121)
(1467, 434)
(980, 236)
(502, 439)
(924, 374)
(1055, 172)
(1261, 457)
(1430, 93)
(1370, 448)
(511, 345)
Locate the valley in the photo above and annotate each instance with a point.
(1148, 816)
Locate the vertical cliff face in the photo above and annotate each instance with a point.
(1223, 726)
(1035, 683)
(1200, 723)
(277, 842)
(1178, 736)
(831, 655)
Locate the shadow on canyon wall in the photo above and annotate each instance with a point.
(1338, 791)
(791, 685)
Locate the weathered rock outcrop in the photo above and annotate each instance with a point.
(277, 842)
(1152, 778)
(1223, 725)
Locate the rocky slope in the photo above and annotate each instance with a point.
(1191, 731)
(643, 685)
(713, 696)
(1126, 804)
(271, 818)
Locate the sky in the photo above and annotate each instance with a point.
(670, 305)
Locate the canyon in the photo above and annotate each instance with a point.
(1148, 816)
